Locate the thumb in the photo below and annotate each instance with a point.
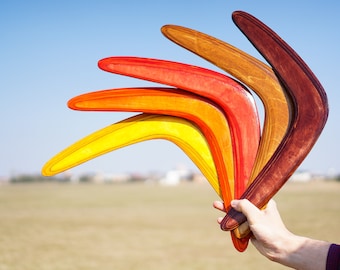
(244, 206)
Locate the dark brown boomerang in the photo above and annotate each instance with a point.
(309, 114)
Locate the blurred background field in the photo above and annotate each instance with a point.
(143, 226)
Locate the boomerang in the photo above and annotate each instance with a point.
(309, 117)
(258, 76)
(169, 101)
(234, 99)
(133, 130)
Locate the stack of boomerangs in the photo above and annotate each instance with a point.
(213, 117)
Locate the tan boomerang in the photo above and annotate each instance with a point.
(168, 101)
(259, 77)
(133, 130)
(309, 116)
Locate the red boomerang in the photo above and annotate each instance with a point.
(234, 99)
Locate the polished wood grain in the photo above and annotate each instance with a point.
(310, 112)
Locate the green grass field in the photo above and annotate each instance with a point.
(138, 226)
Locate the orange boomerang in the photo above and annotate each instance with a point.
(168, 101)
(233, 98)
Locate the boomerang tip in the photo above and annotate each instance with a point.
(178, 34)
(240, 244)
(105, 63)
(117, 64)
(169, 29)
(46, 172)
(49, 169)
(84, 101)
(61, 163)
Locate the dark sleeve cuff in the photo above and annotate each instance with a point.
(333, 258)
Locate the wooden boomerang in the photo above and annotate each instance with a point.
(169, 101)
(253, 73)
(133, 130)
(308, 119)
(237, 102)
(257, 76)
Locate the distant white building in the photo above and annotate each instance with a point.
(174, 177)
(110, 177)
(301, 177)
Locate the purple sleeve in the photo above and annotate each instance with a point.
(333, 258)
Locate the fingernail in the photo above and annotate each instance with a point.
(233, 203)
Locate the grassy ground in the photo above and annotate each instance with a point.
(135, 226)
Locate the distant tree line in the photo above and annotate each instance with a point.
(30, 178)
(37, 178)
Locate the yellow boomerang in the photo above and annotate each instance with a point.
(133, 130)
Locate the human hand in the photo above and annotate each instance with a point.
(273, 240)
(266, 225)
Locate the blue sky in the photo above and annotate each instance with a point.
(49, 53)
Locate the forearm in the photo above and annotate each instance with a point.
(304, 253)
